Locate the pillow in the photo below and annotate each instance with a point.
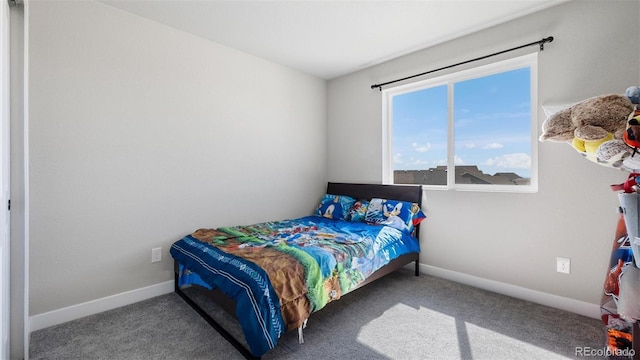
(401, 215)
(335, 206)
(358, 211)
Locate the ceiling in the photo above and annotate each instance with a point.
(326, 38)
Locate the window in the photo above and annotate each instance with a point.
(471, 130)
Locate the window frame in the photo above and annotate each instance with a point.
(529, 60)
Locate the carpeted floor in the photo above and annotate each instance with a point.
(398, 317)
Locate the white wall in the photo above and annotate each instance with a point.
(4, 180)
(18, 246)
(140, 134)
(512, 238)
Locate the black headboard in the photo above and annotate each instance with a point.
(411, 193)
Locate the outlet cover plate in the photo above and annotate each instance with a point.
(563, 265)
(156, 255)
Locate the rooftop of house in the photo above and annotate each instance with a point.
(465, 174)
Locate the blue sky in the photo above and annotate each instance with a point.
(491, 122)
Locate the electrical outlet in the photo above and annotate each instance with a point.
(156, 255)
(563, 265)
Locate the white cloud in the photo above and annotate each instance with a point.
(397, 159)
(457, 160)
(421, 148)
(513, 161)
(493, 145)
(414, 161)
(470, 145)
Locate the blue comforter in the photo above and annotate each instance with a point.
(258, 266)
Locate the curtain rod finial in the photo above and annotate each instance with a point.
(545, 40)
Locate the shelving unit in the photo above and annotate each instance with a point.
(621, 259)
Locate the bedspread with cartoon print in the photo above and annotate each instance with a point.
(280, 272)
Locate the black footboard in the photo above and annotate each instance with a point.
(230, 338)
(228, 305)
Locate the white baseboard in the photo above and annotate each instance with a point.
(73, 312)
(63, 315)
(539, 297)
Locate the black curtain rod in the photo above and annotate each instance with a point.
(539, 42)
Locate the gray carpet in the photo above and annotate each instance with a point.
(398, 317)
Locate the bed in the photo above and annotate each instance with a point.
(273, 276)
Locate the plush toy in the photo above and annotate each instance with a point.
(617, 154)
(591, 124)
(633, 93)
(631, 136)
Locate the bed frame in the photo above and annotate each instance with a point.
(411, 193)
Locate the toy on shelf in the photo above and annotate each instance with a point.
(629, 199)
(596, 129)
(633, 93)
(616, 305)
(606, 130)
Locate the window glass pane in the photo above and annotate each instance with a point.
(478, 125)
(419, 141)
(492, 129)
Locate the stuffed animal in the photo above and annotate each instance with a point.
(633, 93)
(632, 135)
(617, 154)
(590, 124)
